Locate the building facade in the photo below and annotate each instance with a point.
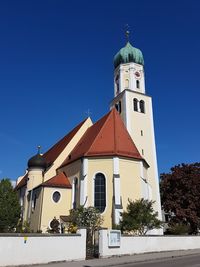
(102, 164)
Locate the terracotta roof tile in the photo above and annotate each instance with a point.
(106, 137)
(55, 150)
(60, 180)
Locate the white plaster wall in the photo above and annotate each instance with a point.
(42, 249)
(144, 244)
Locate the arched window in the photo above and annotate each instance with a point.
(75, 194)
(135, 104)
(100, 192)
(137, 84)
(142, 106)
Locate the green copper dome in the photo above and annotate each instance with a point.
(128, 54)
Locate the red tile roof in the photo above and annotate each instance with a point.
(52, 154)
(60, 180)
(106, 137)
(55, 150)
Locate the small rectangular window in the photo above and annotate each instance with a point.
(141, 133)
(137, 84)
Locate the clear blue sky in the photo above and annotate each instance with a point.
(56, 61)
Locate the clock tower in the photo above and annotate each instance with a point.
(135, 109)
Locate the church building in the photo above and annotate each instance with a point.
(101, 164)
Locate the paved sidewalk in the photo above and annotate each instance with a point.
(120, 260)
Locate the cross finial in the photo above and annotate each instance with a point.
(88, 113)
(39, 147)
(127, 32)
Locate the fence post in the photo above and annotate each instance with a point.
(103, 242)
(83, 233)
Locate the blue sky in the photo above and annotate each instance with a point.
(56, 62)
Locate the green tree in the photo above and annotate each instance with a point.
(9, 207)
(180, 195)
(139, 217)
(88, 217)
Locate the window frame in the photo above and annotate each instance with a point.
(137, 84)
(94, 179)
(135, 104)
(142, 106)
(59, 198)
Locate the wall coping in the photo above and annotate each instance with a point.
(36, 235)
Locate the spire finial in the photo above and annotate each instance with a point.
(127, 33)
(39, 147)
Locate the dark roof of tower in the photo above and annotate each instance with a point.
(37, 161)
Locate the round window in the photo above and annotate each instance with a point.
(56, 196)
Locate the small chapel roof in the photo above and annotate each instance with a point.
(107, 137)
(59, 180)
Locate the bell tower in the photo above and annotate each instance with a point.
(135, 109)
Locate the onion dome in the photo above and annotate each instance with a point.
(128, 54)
(37, 161)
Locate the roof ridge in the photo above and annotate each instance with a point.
(107, 115)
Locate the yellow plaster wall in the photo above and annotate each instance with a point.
(104, 166)
(129, 180)
(72, 171)
(51, 209)
(35, 178)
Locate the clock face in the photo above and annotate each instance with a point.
(137, 75)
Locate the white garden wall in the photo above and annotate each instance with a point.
(30, 249)
(144, 244)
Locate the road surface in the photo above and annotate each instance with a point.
(183, 261)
